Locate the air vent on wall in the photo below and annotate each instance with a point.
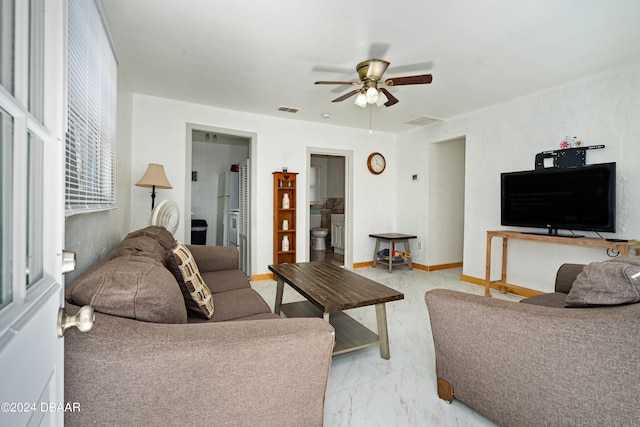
(423, 121)
(288, 109)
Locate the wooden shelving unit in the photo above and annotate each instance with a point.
(284, 183)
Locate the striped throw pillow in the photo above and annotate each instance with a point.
(197, 295)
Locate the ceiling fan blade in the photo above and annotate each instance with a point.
(406, 68)
(409, 80)
(378, 50)
(346, 95)
(391, 99)
(332, 69)
(331, 82)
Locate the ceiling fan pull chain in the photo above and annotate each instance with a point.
(370, 120)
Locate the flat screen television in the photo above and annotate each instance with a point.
(582, 198)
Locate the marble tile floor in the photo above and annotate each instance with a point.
(366, 390)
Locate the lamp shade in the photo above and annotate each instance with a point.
(372, 95)
(361, 100)
(154, 177)
(382, 99)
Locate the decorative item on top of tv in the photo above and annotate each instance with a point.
(571, 142)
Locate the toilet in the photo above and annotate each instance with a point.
(318, 234)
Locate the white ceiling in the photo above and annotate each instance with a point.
(257, 55)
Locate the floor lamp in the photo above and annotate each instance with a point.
(154, 178)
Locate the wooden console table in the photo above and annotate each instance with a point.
(623, 249)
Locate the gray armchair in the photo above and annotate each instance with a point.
(537, 363)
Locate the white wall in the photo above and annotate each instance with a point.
(332, 179)
(322, 163)
(412, 197)
(159, 132)
(601, 110)
(446, 202)
(335, 177)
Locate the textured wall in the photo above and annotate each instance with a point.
(506, 137)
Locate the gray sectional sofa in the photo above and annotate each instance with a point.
(568, 358)
(153, 359)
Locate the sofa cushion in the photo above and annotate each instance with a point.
(612, 282)
(141, 245)
(239, 304)
(159, 233)
(215, 258)
(196, 294)
(131, 286)
(553, 299)
(225, 280)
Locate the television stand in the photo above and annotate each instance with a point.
(623, 249)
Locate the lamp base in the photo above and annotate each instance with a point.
(153, 197)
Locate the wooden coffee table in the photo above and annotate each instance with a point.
(329, 290)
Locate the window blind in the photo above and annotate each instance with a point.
(90, 155)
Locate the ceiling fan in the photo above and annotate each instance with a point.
(372, 90)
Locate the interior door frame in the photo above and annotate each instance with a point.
(348, 200)
(252, 137)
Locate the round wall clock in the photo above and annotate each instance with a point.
(376, 163)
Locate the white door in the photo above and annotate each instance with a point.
(32, 118)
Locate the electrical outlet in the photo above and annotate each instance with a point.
(420, 244)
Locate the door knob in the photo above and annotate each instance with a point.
(83, 320)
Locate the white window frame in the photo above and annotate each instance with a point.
(90, 154)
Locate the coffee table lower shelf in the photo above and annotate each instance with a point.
(350, 334)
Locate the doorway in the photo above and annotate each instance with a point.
(328, 206)
(219, 188)
(445, 245)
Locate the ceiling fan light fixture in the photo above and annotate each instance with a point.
(382, 99)
(368, 92)
(372, 95)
